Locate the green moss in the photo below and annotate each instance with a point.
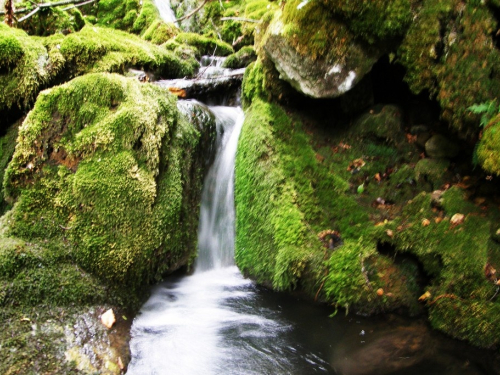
(26, 67)
(51, 21)
(240, 59)
(374, 20)
(205, 45)
(148, 14)
(107, 163)
(489, 146)
(449, 52)
(118, 14)
(159, 32)
(7, 146)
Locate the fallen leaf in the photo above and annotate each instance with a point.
(389, 232)
(457, 219)
(425, 222)
(108, 318)
(380, 292)
(425, 296)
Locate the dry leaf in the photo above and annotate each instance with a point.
(425, 222)
(457, 219)
(425, 296)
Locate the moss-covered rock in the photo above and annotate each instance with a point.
(7, 146)
(159, 32)
(108, 163)
(204, 45)
(29, 64)
(287, 203)
(240, 59)
(488, 150)
(54, 20)
(321, 59)
(449, 52)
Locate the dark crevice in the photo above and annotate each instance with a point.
(495, 35)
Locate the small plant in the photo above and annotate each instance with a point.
(487, 110)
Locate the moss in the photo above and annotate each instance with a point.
(50, 21)
(374, 20)
(205, 45)
(489, 146)
(433, 171)
(21, 78)
(240, 59)
(121, 195)
(159, 32)
(7, 146)
(118, 14)
(147, 15)
(449, 52)
(106, 50)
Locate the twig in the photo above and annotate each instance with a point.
(79, 5)
(32, 13)
(65, 228)
(494, 295)
(193, 12)
(43, 5)
(240, 19)
(452, 296)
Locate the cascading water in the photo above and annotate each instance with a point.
(211, 322)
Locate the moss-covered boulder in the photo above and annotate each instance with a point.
(321, 59)
(29, 64)
(290, 208)
(240, 59)
(449, 52)
(109, 164)
(488, 150)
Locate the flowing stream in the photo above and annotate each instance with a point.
(215, 322)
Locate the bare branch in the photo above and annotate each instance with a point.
(79, 5)
(30, 14)
(44, 5)
(239, 19)
(193, 12)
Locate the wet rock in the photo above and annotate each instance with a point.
(440, 147)
(385, 353)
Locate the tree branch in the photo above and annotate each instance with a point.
(240, 19)
(32, 13)
(44, 5)
(79, 5)
(193, 12)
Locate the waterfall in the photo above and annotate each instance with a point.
(166, 12)
(216, 226)
(215, 322)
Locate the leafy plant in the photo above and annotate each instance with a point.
(487, 109)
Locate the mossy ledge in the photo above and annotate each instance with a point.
(108, 164)
(293, 189)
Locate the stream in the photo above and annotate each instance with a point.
(217, 322)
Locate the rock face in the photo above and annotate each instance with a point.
(318, 74)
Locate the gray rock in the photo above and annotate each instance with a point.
(323, 77)
(440, 147)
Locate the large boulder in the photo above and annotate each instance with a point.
(110, 165)
(307, 56)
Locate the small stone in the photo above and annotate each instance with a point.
(108, 318)
(457, 219)
(380, 292)
(425, 222)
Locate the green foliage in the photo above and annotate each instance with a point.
(115, 170)
(50, 21)
(486, 110)
(488, 155)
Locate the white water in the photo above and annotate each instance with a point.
(166, 12)
(207, 323)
